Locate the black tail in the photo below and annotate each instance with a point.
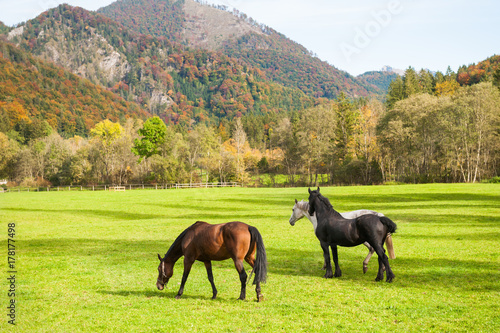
(389, 224)
(260, 265)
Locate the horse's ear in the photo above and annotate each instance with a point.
(296, 201)
(318, 188)
(309, 189)
(159, 257)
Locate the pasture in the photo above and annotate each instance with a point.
(87, 261)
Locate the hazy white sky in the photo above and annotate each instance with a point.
(356, 35)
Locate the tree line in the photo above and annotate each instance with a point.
(425, 137)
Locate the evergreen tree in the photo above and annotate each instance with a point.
(395, 92)
(411, 84)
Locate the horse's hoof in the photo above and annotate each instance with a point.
(378, 278)
(365, 269)
(328, 276)
(178, 296)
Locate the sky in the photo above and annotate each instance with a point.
(355, 35)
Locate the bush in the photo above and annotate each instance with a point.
(494, 180)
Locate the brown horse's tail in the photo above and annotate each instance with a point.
(260, 265)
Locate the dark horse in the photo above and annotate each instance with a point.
(333, 230)
(206, 242)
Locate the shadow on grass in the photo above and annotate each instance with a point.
(109, 214)
(171, 295)
(414, 197)
(150, 294)
(369, 199)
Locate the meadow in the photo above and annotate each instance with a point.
(87, 262)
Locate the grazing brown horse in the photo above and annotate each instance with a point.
(206, 242)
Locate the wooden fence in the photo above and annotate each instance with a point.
(119, 187)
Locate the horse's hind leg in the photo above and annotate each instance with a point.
(383, 263)
(243, 277)
(371, 251)
(251, 261)
(368, 257)
(208, 266)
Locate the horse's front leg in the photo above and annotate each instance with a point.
(338, 272)
(328, 264)
(188, 263)
(243, 277)
(208, 266)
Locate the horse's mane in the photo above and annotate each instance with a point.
(303, 205)
(178, 241)
(328, 206)
(325, 201)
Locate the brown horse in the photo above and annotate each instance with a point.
(206, 242)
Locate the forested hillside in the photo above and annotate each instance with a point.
(380, 79)
(36, 96)
(486, 70)
(181, 86)
(239, 36)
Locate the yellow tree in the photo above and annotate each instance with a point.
(367, 146)
(105, 134)
(446, 88)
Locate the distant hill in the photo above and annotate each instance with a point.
(380, 79)
(482, 71)
(206, 27)
(182, 86)
(3, 28)
(33, 90)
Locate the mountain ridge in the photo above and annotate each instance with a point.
(283, 60)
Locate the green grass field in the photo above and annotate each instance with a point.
(87, 261)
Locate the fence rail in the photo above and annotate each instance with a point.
(118, 187)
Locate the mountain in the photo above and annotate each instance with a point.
(181, 85)
(33, 90)
(380, 79)
(389, 69)
(207, 27)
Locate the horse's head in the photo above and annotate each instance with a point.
(313, 195)
(165, 272)
(297, 213)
